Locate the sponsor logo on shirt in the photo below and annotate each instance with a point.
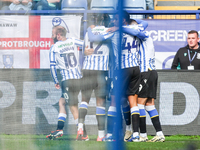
(63, 45)
(95, 30)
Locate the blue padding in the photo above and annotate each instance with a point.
(153, 113)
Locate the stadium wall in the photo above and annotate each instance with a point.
(29, 103)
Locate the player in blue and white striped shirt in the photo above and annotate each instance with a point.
(148, 88)
(131, 75)
(64, 56)
(130, 71)
(95, 71)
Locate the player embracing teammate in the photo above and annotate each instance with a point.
(137, 55)
(95, 72)
(148, 84)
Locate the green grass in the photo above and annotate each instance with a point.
(39, 142)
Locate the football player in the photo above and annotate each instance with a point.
(95, 71)
(64, 55)
(148, 87)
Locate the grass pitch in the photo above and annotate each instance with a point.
(39, 142)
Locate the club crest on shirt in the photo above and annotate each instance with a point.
(185, 54)
(198, 55)
(8, 61)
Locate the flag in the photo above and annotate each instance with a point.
(25, 40)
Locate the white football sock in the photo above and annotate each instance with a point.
(101, 133)
(80, 126)
(159, 133)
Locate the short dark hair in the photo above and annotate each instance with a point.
(193, 31)
(132, 21)
(126, 16)
(101, 19)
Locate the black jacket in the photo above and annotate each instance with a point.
(182, 59)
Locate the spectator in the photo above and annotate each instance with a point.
(46, 5)
(188, 57)
(150, 6)
(4, 4)
(16, 4)
(89, 3)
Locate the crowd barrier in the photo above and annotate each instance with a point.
(29, 103)
(85, 13)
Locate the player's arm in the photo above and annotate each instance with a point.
(135, 32)
(112, 29)
(142, 24)
(175, 62)
(53, 65)
(98, 38)
(78, 42)
(87, 46)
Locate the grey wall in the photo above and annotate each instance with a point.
(29, 103)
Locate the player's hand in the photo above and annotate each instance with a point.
(92, 26)
(57, 86)
(88, 51)
(16, 2)
(53, 1)
(112, 29)
(25, 2)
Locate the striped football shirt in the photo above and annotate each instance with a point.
(99, 60)
(64, 56)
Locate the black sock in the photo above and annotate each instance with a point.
(60, 125)
(156, 123)
(127, 117)
(143, 125)
(84, 130)
(82, 114)
(135, 122)
(101, 121)
(110, 124)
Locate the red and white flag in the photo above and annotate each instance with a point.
(25, 40)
